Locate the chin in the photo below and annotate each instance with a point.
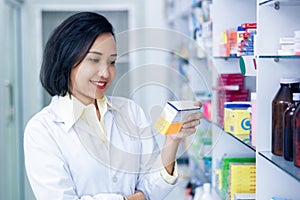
(99, 96)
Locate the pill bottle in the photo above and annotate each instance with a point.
(280, 102)
(288, 127)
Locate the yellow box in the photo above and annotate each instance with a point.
(237, 120)
(174, 115)
(242, 179)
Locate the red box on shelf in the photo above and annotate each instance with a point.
(231, 79)
(230, 88)
(207, 110)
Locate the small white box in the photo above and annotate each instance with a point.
(244, 196)
(174, 115)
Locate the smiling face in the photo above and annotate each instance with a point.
(92, 77)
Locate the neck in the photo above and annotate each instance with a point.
(97, 110)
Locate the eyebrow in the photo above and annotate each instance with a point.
(99, 53)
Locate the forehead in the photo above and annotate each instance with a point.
(104, 43)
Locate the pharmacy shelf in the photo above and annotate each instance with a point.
(279, 161)
(278, 57)
(279, 2)
(246, 143)
(275, 57)
(275, 20)
(226, 57)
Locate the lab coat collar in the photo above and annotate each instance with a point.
(69, 109)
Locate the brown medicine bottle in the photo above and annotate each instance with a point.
(296, 146)
(282, 99)
(288, 127)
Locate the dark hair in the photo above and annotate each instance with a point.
(67, 47)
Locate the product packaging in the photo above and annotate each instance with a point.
(279, 198)
(280, 103)
(288, 127)
(226, 163)
(174, 115)
(230, 87)
(253, 119)
(237, 119)
(242, 178)
(244, 196)
(207, 110)
(248, 65)
(296, 138)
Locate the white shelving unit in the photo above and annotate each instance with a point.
(275, 19)
(228, 15)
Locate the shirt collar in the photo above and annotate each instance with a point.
(73, 109)
(104, 104)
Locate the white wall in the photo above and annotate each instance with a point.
(11, 151)
(142, 15)
(153, 95)
(32, 46)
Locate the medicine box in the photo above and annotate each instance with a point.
(237, 118)
(241, 179)
(226, 163)
(174, 115)
(244, 196)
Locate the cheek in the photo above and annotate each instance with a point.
(80, 73)
(73, 77)
(77, 75)
(113, 73)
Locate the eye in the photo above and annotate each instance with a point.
(113, 62)
(94, 60)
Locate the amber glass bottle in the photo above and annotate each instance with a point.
(288, 127)
(296, 138)
(279, 104)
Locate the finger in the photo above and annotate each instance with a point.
(197, 103)
(195, 116)
(187, 131)
(191, 124)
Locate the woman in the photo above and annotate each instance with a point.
(85, 145)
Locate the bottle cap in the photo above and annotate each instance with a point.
(296, 96)
(289, 80)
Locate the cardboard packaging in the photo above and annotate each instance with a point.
(237, 118)
(174, 115)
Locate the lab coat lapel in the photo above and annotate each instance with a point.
(124, 154)
(96, 147)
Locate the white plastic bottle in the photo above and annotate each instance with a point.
(206, 192)
(198, 193)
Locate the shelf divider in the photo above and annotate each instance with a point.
(281, 2)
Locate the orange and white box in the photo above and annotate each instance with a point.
(174, 115)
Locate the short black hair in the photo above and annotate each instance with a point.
(67, 47)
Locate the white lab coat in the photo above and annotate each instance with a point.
(59, 166)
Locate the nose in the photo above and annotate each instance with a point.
(104, 72)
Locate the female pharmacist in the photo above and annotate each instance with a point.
(84, 144)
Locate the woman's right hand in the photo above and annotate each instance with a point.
(138, 195)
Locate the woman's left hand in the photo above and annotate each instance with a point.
(172, 140)
(189, 126)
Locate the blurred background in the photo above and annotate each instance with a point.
(25, 26)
